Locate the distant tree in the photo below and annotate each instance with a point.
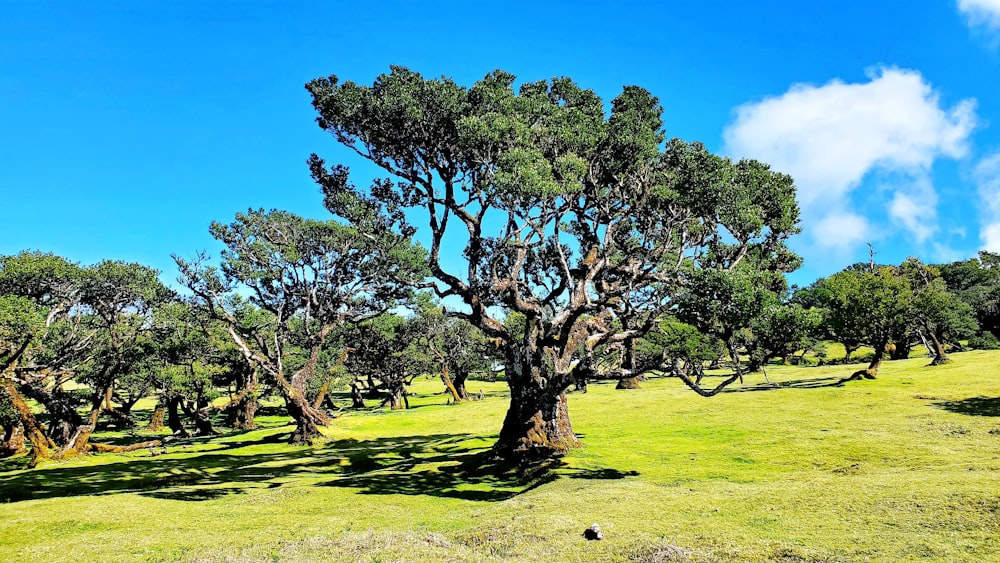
(565, 212)
(382, 360)
(779, 331)
(84, 324)
(307, 278)
(454, 348)
(977, 282)
(869, 306)
(727, 303)
(937, 313)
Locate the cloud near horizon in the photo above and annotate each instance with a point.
(830, 138)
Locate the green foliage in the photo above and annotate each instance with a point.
(568, 214)
(977, 283)
(867, 307)
(984, 341)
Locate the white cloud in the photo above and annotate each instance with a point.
(984, 13)
(987, 178)
(841, 231)
(830, 137)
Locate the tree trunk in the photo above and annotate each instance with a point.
(243, 412)
(848, 350)
(174, 418)
(243, 408)
(873, 367)
(537, 424)
(459, 382)
(13, 440)
(80, 443)
(396, 398)
(201, 414)
(628, 378)
(939, 356)
(899, 350)
(449, 384)
(41, 444)
(156, 421)
(357, 398)
(63, 418)
(307, 419)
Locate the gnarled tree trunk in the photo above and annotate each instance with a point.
(307, 419)
(156, 421)
(242, 408)
(872, 371)
(537, 424)
(939, 355)
(174, 418)
(629, 378)
(13, 440)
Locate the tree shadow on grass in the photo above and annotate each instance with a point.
(811, 383)
(974, 406)
(443, 465)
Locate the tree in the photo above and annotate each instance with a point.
(564, 215)
(305, 279)
(869, 305)
(456, 349)
(977, 282)
(937, 312)
(778, 332)
(381, 358)
(85, 324)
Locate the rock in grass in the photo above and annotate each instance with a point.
(593, 532)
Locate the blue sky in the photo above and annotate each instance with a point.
(128, 126)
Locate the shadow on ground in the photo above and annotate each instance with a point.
(974, 406)
(444, 465)
(811, 383)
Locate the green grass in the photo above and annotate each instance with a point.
(901, 468)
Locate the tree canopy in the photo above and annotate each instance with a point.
(564, 214)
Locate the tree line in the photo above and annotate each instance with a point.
(562, 242)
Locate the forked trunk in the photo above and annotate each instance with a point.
(396, 398)
(450, 386)
(79, 444)
(201, 414)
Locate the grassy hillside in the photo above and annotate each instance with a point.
(900, 468)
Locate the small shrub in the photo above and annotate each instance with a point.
(984, 341)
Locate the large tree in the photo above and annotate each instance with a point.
(538, 202)
(304, 279)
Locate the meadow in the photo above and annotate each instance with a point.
(806, 468)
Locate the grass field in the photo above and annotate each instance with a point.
(901, 468)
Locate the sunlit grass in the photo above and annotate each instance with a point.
(807, 468)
